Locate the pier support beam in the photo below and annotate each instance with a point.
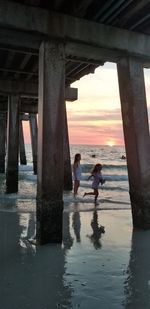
(2, 141)
(23, 160)
(50, 143)
(33, 132)
(137, 139)
(12, 144)
(67, 161)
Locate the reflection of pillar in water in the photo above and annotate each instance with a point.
(9, 235)
(76, 224)
(67, 239)
(27, 222)
(36, 277)
(137, 284)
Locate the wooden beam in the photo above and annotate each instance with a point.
(25, 107)
(67, 28)
(16, 38)
(18, 87)
(26, 89)
(24, 117)
(18, 50)
(96, 55)
(71, 94)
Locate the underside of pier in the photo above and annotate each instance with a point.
(44, 47)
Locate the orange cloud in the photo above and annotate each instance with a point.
(95, 118)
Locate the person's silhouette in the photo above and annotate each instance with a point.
(97, 231)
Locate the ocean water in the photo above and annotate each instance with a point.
(90, 269)
(114, 194)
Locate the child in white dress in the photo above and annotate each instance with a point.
(76, 172)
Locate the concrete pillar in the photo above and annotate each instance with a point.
(137, 139)
(12, 144)
(67, 161)
(2, 141)
(50, 143)
(23, 160)
(33, 132)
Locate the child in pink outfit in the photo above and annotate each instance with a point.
(97, 179)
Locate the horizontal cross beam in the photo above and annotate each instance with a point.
(30, 90)
(45, 24)
(24, 117)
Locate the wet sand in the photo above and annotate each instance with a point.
(94, 268)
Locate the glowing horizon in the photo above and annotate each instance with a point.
(95, 118)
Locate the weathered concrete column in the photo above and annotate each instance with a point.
(137, 139)
(23, 160)
(12, 144)
(67, 161)
(50, 143)
(2, 141)
(33, 133)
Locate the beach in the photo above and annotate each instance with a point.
(101, 263)
(88, 270)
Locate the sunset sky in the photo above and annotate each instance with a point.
(95, 118)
